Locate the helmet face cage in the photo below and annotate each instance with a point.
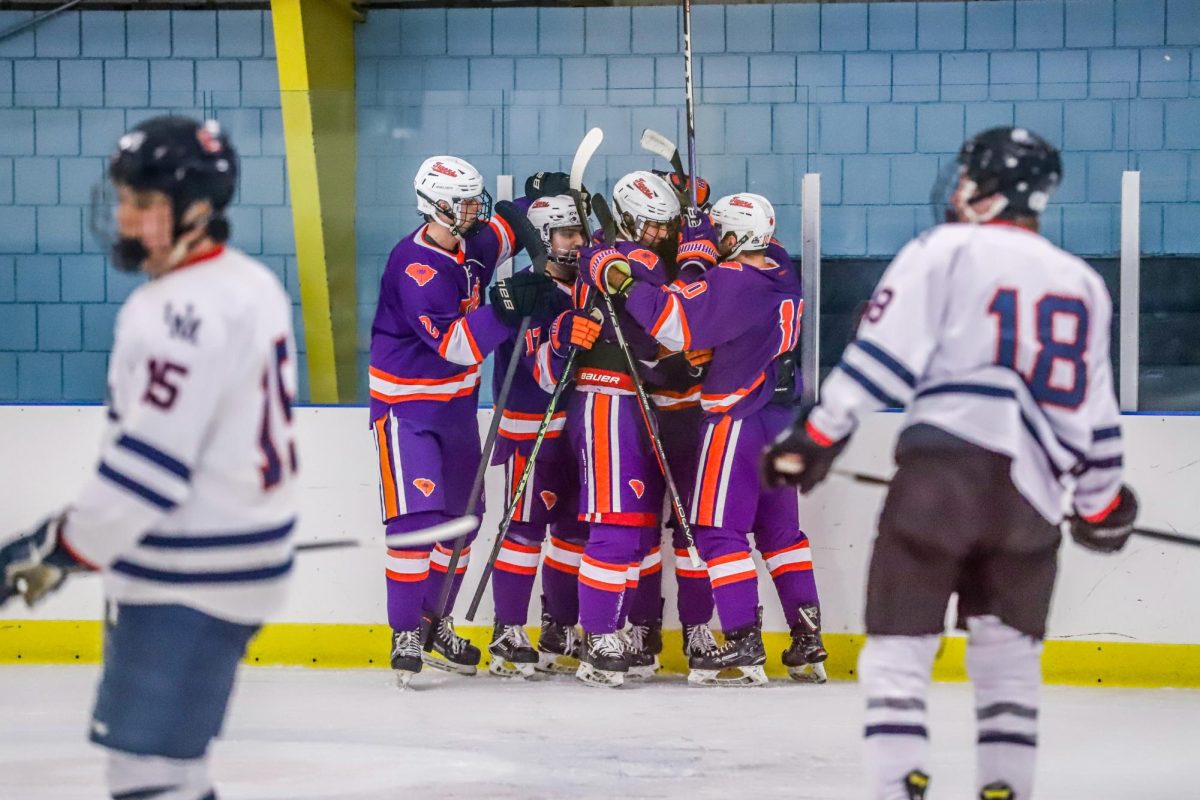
(557, 213)
(452, 213)
(749, 218)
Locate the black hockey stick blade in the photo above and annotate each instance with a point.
(654, 142)
(1166, 536)
(862, 477)
(604, 216)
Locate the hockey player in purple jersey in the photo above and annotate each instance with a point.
(428, 338)
(747, 309)
(550, 498)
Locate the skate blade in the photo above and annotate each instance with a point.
(646, 672)
(511, 669)
(598, 677)
(557, 664)
(734, 676)
(808, 673)
(403, 679)
(438, 662)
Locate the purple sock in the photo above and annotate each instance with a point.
(408, 572)
(439, 562)
(603, 574)
(789, 560)
(560, 576)
(694, 595)
(733, 576)
(645, 601)
(516, 568)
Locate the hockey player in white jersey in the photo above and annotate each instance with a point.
(998, 343)
(190, 510)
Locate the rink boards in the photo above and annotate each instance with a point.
(1117, 620)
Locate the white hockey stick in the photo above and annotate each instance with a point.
(654, 142)
(583, 154)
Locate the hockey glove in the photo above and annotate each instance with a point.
(606, 268)
(800, 456)
(698, 358)
(36, 564)
(1108, 531)
(683, 188)
(573, 329)
(525, 294)
(549, 184)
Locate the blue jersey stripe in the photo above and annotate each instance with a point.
(193, 542)
(869, 385)
(1000, 737)
(155, 456)
(1100, 434)
(1104, 463)
(173, 576)
(141, 490)
(887, 360)
(896, 730)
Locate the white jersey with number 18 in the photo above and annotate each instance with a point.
(193, 501)
(995, 335)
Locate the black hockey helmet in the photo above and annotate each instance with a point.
(1013, 163)
(184, 159)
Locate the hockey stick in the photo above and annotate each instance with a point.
(583, 154)
(329, 544)
(691, 104)
(525, 234)
(648, 416)
(654, 142)
(1149, 533)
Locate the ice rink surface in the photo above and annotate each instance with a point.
(301, 734)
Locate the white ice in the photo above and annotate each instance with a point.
(303, 734)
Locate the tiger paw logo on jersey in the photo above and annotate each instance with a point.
(646, 258)
(421, 273)
(432, 329)
(638, 487)
(548, 498)
(640, 185)
(442, 169)
(424, 486)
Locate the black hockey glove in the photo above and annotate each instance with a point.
(549, 184)
(800, 456)
(525, 294)
(1109, 533)
(36, 564)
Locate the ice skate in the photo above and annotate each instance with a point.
(558, 648)
(512, 653)
(805, 655)
(997, 791)
(406, 655)
(451, 652)
(697, 640)
(604, 660)
(643, 643)
(738, 662)
(916, 783)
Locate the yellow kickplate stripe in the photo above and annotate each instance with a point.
(351, 646)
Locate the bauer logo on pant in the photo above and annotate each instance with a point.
(424, 486)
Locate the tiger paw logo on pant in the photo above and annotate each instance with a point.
(424, 486)
(548, 498)
(638, 487)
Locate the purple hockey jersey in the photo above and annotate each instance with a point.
(749, 316)
(430, 332)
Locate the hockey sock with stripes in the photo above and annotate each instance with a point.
(516, 569)
(408, 572)
(603, 574)
(560, 576)
(788, 559)
(894, 673)
(439, 562)
(693, 591)
(1005, 666)
(732, 573)
(645, 601)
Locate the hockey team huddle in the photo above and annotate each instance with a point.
(654, 394)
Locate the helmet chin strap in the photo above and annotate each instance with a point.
(966, 207)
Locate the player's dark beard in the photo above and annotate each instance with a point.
(668, 251)
(128, 253)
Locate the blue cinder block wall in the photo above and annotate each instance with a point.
(68, 89)
(874, 97)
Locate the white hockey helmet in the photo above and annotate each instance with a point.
(749, 217)
(547, 214)
(641, 197)
(444, 184)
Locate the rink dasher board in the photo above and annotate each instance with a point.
(1115, 620)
